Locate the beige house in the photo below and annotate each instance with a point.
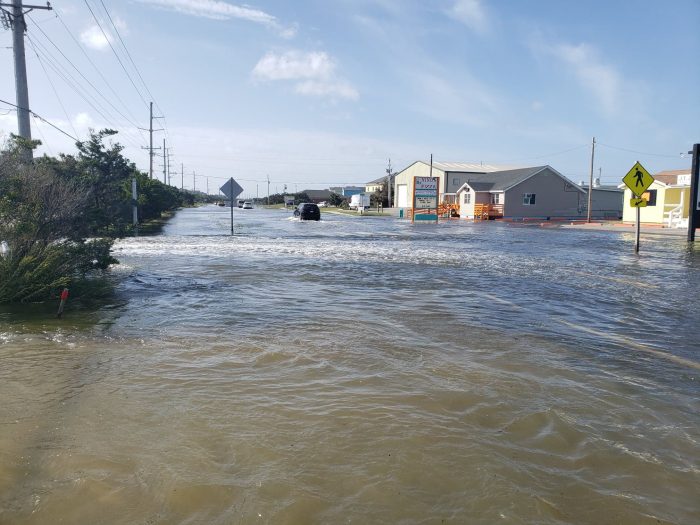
(540, 192)
(668, 200)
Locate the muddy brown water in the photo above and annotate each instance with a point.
(361, 371)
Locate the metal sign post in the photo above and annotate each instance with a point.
(232, 190)
(637, 180)
(694, 209)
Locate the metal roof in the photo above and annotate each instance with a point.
(471, 167)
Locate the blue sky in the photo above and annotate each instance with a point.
(314, 93)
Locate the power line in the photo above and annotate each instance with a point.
(43, 139)
(40, 118)
(53, 87)
(116, 30)
(115, 53)
(639, 152)
(85, 78)
(552, 154)
(106, 82)
(138, 72)
(73, 83)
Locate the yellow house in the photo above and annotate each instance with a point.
(668, 200)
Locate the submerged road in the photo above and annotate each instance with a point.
(361, 370)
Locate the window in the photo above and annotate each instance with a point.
(650, 197)
(496, 198)
(528, 199)
(455, 181)
(467, 198)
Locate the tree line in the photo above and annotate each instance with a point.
(59, 216)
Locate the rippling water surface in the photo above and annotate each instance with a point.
(361, 371)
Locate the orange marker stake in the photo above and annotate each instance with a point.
(64, 298)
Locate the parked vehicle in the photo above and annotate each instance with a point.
(308, 211)
(240, 203)
(361, 200)
(323, 204)
(247, 205)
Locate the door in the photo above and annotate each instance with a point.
(402, 196)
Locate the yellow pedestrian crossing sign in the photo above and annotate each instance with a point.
(638, 180)
(638, 202)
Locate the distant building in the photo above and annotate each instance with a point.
(318, 195)
(606, 200)
(668, 200)
(378, 184)
(347, 191)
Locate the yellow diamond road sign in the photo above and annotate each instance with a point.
(638, 203)
(638, 179)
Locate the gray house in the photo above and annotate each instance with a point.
(539, 192)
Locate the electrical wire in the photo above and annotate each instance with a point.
(75, 85)
(130, 121)
(638, 152)
(43, 139)
(40, 118)
(553, 154)
(106, 82)
(138, 72)
(53, 87)
(115, 53)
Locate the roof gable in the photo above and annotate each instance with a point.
(507, 179)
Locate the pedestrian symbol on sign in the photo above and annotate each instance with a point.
(638, 179)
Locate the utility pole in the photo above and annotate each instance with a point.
(207, 185)
(590, 183)
(165, 163)
(388, 184)
(150, 147)
(182, 176)
(16, 21)
(167, 156)
(268, 190)
(194, 182)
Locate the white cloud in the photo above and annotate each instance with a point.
(294, 65)
(314, 71)
(83, 121)
(94, 38)
(471, 13)
(331, 89)
(219, 10)
(601, 80)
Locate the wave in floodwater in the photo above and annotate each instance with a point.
(361, 370)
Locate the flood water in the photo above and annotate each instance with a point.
(361, 370)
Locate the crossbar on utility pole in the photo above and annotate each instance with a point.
(19, 27)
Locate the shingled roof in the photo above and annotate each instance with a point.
(503, 180)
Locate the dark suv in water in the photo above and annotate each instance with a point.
(308, 211)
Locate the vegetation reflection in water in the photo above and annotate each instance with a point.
(360, 370)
